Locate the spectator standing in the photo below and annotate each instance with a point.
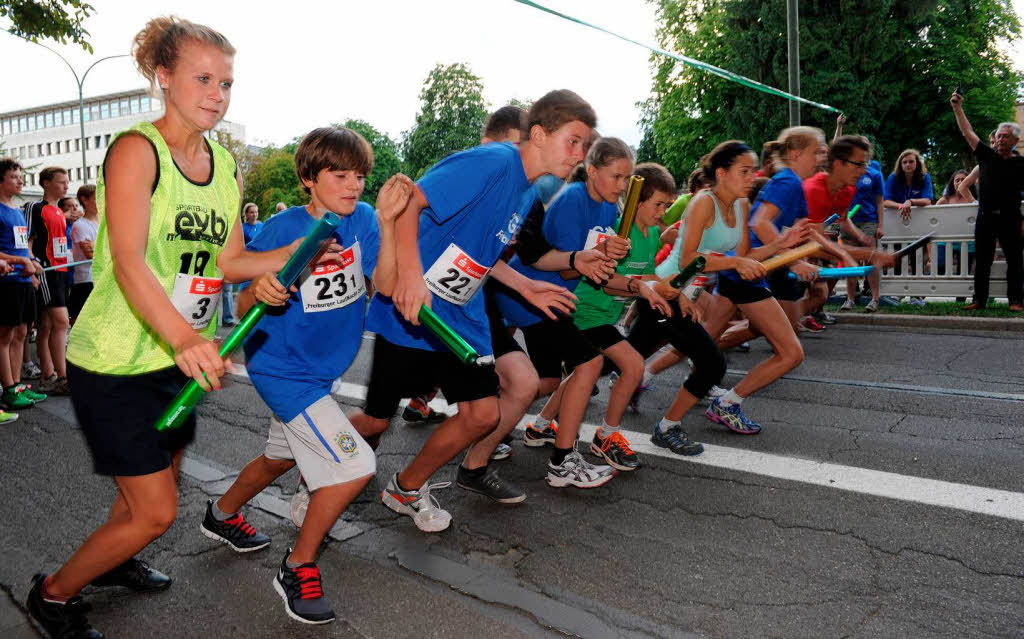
(18, 307)
(48, 242)
(909, 184)
(83, 242)
(251, 224)
(952, 194)
(999, 217)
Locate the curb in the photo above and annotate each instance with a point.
(999, 324)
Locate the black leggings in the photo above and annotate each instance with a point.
(652, 330)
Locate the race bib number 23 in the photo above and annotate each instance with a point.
(334, 284)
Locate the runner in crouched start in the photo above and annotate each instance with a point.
(461, 216)
(305, 342)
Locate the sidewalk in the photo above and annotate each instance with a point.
(1004, 324)
(13, 622)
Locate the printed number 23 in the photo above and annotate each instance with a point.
(460, 282)
(341, 285)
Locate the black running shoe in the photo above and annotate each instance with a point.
(135, 575)
(303, 592)
(60, 620)
(616, 451)
(234, 531)
(676, 440)
(490, 485)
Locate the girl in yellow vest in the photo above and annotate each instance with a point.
(168, 200)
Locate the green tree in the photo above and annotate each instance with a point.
(452, 114)
(890, 65)
(271, 178)
(386, 161)
(59, 20)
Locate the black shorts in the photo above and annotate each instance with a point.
(604, 336)
(742, 292)
(76, 298)
(783, 287)
(17, 303)
(53, 292)
(553, 343)
(400, 371)
(502, 342)
(117, 414)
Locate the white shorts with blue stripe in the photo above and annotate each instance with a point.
(324, 445)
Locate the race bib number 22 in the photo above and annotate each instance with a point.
(455, 276)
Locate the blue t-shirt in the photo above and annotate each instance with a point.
(786, 192)
(14, 231)
(476, 202)
(249, 231)
(297, 351)
(869, 188)
(572, 219)
(898, 191)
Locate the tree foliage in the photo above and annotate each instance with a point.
(386, 160)
(890, 65)
(271, 178)
(59, 20)
(452, 114)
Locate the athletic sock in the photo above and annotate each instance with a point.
(607, 430)
(559, 454)
(219, 514)
(540, 423)
(474, 473)
(47, 597)
(667, 424)
(731, 398)
(648, 377)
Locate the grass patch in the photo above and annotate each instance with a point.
(950, 309)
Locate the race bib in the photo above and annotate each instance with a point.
(595, 237)
(21, 237)
(196, 298)
(334, 284)
(60, 247)
(455, 277)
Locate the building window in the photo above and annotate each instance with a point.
(145, 103)
(78, 174)
(39, 121)
(115, 110)
(94, 112)
(106, 140)
(124, 107)
(77, 147)
(39, 149)
(135, 104)
(104, 111)
(74, 116)
(49, 149)
(67, 116)
(88, 172)
(96, 142)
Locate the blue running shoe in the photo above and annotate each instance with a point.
(732, 418)
(676, 440)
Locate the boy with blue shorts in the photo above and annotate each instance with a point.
(461, 216)
(306, 341)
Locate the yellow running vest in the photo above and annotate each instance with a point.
(189, 224)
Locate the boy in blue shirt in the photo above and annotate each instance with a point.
(305, 342)
(461, 216)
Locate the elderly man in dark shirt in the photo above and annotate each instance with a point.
(999, 217)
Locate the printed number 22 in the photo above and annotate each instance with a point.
(453, 276)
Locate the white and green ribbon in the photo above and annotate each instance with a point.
(688, 61)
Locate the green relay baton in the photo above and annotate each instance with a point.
(449, 337)
(691, 269)
(190, 395)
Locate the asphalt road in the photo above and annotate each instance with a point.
(884, 498)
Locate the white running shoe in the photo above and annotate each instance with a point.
(29, 370)
(426, 513)
(578, 472)
(503, 451)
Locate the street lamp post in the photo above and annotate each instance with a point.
(81, 97)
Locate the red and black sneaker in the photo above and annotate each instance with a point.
(303, 592)
(234, 531)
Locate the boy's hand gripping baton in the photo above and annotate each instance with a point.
(190, 395)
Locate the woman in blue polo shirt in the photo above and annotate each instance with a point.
(909, 183)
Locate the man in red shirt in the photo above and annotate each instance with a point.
(49, 244)
(831, 192)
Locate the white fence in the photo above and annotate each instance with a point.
(948, 270)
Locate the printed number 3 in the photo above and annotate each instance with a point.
(204, 305)
(453, 276)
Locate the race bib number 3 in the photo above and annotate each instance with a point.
(196, 298)
(21, 237)
(455, 276)
(334, 284)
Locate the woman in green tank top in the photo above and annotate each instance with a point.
(168, 201)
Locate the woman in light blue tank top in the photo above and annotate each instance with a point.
(718, 238)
